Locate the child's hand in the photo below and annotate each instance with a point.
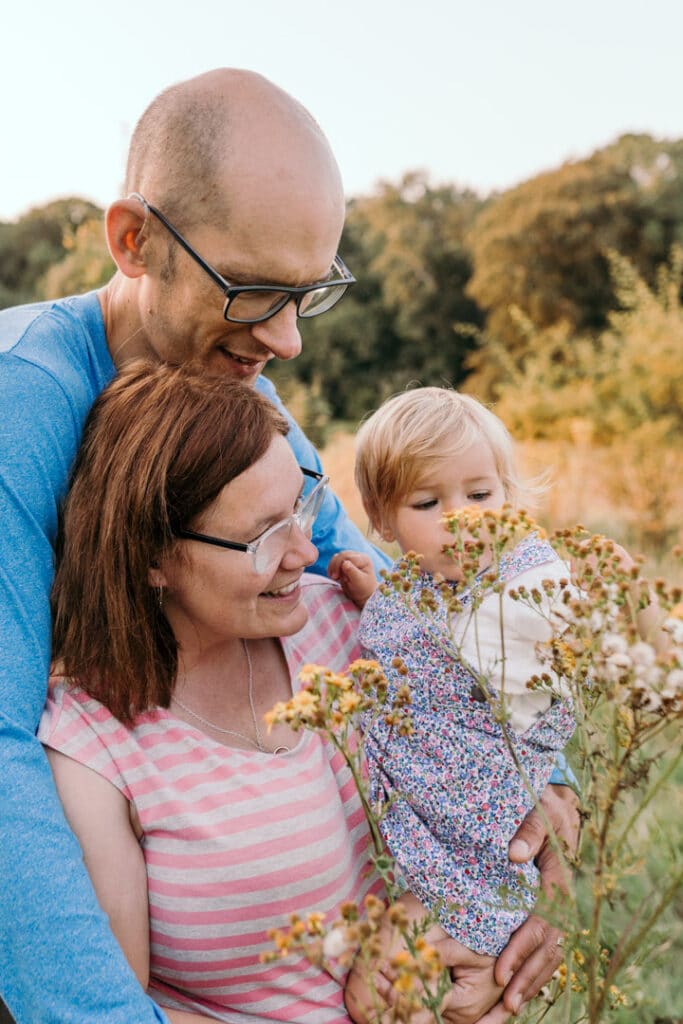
(355, 573)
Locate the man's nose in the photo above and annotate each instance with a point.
(280, 335)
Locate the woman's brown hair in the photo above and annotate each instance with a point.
(158, 446)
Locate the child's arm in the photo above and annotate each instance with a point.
(355, 573)
(474, 988)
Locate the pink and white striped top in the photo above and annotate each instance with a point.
(234, 840)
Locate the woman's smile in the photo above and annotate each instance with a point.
(288, 590)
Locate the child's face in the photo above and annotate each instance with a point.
(450, 483)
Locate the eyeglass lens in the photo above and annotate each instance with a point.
(246, 307)
(270, 548)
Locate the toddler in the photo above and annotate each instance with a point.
(457, 795)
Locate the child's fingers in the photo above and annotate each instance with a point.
(335, 564)
(351, 569)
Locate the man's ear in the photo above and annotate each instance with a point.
(124, 226)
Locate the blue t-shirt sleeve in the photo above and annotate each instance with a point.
(562, 774)
(58, 958)
(333, 531)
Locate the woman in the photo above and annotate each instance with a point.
(185, 536)
(181, 615)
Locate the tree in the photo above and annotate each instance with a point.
(86, 265)
(628, 377)
(34, 243)
(541, 247)
(622, 390)
(403, 320)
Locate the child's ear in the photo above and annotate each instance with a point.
(387, 534)
(377, 524)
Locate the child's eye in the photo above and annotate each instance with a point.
(478, 495)
(428, 503)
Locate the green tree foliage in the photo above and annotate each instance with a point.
(36, 242)
(541, 247)
(627, 378)
(622, 390)
(86, 265)
(403, 320)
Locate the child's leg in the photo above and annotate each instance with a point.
(474, 988)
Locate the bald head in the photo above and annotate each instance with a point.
(226, 137)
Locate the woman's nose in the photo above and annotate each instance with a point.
(301, 551)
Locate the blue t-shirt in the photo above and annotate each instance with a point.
(58, 958)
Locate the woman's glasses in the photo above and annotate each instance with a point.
(267, 550)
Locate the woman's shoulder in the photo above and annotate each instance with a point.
(323, 597)
(330, 636)
(67, 706)
(78, 725)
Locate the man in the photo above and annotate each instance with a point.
(230, 185)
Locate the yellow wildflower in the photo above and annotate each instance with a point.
(348, 702)
(314, 923)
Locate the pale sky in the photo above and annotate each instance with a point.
(483, 93)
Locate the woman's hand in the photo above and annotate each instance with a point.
(355, 573)
(533, 953)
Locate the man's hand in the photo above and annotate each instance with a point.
(474, 987)
(355, 573)
(533, 954)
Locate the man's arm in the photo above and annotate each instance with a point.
(333, 531)
(58, 958)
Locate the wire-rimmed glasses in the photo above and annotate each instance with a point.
(267, 550)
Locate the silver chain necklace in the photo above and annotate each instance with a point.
(258, 742)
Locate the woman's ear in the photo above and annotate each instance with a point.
(124, 226)
(155, 576)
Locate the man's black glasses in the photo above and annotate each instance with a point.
(253, 303)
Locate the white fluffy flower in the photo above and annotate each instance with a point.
(616, 660)
(673, 686)
(675, 628)
(336, 942)
(597, 621)
(561, 616)
(642, 654)
(613, 643)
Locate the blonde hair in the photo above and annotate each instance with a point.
(396, 443)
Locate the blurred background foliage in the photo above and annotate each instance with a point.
(558, 301)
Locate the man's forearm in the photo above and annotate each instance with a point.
(59, 961)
